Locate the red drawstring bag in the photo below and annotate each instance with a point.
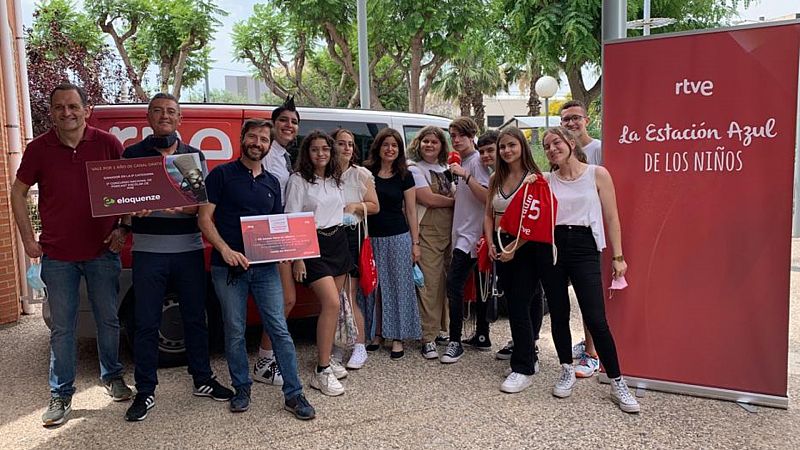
(366, 263)
(484, 262)
(531, 215)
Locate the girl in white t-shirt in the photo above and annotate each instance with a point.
(434, 190)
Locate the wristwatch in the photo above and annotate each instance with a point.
(619, 258)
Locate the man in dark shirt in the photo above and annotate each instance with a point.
(244, 188)
(73, 244)
(168, 251)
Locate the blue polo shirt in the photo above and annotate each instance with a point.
(163, 232)
(235, 193)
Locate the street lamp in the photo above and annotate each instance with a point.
(546, 87)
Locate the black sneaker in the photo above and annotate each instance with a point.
(479, 341)
(213, 389)
(453, 353)
(506, 352)
(300, 407)
(241, 401)
(142, 403)
(442, 340)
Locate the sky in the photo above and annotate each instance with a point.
(239, 10)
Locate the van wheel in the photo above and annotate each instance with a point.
(171, 338)
(171, 343)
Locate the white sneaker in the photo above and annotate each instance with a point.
(358, 358)
(266, 370)
(566, 382)
(327, 383)
(622, 396)
(429, 351)
(516, 382)
(578, 349)
(508, 371)
(338, 371)
(587, 366)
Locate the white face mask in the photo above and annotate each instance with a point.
(34, 276)
(349, 219)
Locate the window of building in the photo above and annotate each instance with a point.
(494, 121)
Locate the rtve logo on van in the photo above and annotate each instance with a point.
(214, 142)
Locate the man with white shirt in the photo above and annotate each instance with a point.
(279, 163)
(575, 119)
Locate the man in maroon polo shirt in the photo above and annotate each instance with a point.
(73, 244)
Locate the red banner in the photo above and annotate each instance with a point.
(699, 135)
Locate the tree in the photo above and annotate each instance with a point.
(566, 35)
(171, 34)
(63, 45)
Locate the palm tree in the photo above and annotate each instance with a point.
(466, 79)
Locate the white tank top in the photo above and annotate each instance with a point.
(579, 203)
(500, 202)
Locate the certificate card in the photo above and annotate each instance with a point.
(124, 186)
(280, 237)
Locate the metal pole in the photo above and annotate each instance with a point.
(206, 90)
(646, 28)
(363, 54)
(796, 215)
(615, 15)
(547, 112)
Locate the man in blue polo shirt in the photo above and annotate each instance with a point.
(244, 188)
(168, 251)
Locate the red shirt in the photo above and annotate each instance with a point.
(69, 232)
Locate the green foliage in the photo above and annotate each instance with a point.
(70, 21)
(217, 96)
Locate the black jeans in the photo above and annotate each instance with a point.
(153, 274)
(579, 261)
(461, 266)
(519, 281)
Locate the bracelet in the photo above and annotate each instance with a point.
(469, 177)
(619, 258)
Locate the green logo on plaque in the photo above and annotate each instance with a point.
(108, 201)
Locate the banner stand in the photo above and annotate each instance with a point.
(670, 387)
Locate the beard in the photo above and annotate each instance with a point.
(254, 153)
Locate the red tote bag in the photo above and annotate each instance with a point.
(531, 215)
(366, 263)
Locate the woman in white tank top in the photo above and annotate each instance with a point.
(585, 195)
(517, 265)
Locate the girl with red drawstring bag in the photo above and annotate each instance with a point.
(531, 215)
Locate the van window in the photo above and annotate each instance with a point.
(364, 132)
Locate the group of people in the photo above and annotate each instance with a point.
(421, 213)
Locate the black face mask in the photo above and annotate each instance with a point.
(162, 141)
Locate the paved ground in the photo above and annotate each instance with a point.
(410, 403)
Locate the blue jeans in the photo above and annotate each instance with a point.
(265, 285)
(63, 283)
(153, 274)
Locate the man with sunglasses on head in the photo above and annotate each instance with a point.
(575, 118)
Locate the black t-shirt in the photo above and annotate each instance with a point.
(391, 220)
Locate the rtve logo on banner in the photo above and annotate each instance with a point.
(718, 158)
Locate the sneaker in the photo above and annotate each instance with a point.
(508, 370)
(118, 390)
(241, 401)
(442, 340)
(57, 411)
(267, 371)
(578, 349)
(429, 351)
(142, 403)
(213, 389)
(587, 366)
(478, 341)
(566, 382)
(327, 383)
(516, 382)
(453, 353)
(622, 396)
(300, 407)
(338, 370)
(505, 352)
(358, 358)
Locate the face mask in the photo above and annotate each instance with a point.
(349, 219)
(617, 284)
(419, 280)
(163, 141)
(34, 276)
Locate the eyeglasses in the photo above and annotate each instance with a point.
(575, 118)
